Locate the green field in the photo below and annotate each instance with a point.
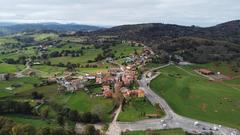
(43, 36)
(121, 50)
(89, 54)
(6, 40)
(223, 67)
(27, 52)
(78, 101)
(7, 68)
(45, 70)
(157, 132)
(196, 97)
(36, 122)
(136, 109)
(26, 85)
(93, 70)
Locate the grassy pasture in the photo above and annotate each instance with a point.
(89, 54)
(36, 122)
(7, 40)
(43, 36)
(136, 109)
(192, 96)
(48, 70)
(223, 67)
(78, 101)
(7, 68)
(124, 49)
(26, 85)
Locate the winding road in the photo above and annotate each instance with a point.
(170, 120)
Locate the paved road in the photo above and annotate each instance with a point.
(114, 128)
(171, 119)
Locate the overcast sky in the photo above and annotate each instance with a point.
(117, 12)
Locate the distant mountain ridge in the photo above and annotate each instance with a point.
(8, 28)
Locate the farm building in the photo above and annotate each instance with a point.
(139, 93)
(205, 71)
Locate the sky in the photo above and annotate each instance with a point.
(118, 12)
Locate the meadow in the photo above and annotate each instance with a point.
(7, 68)
(44, 70)
(43, 36)
(25, 84)
(123, 50)
(80, 101)
(136, 109)
(194, 96)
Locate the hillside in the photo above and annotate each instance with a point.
(220, 42)
(156, 32)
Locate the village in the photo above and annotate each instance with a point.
(111, 89)
(115, 79)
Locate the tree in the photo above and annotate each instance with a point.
(58, 131)
(23, 130)
(99, 57)
(43, 131)
(99, 111)
(45, 114)
(73, 115)
(6, 126)
(37, 95)
(54, 54)
(90, 130)
(60, 120)
(117, 98)
(86, 117)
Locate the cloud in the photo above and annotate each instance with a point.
(116, 12)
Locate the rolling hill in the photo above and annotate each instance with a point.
(220, 42)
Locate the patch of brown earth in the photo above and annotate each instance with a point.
(204, 107)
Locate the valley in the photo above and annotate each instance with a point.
(66, 82)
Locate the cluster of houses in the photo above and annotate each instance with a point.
(69, 82)
(119, 79)
(142, 58)
(116, 79)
